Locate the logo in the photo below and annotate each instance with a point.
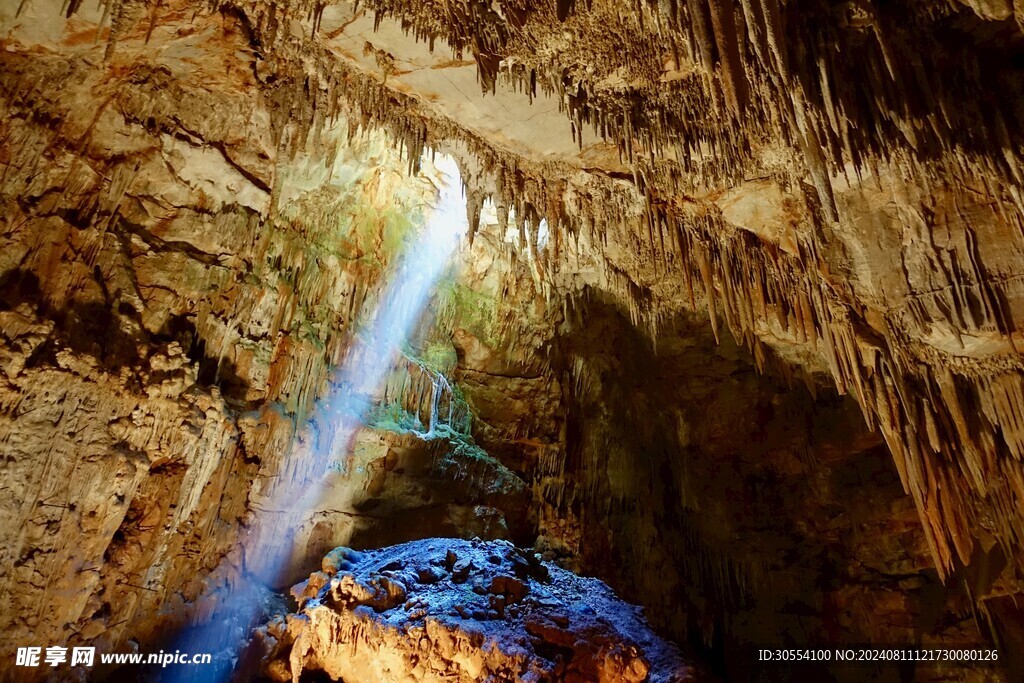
(55, 656)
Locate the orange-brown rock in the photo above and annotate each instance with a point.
(197, 202)
(441, 609)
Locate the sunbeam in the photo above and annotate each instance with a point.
(368, 360)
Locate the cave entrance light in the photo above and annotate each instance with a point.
(365, 367)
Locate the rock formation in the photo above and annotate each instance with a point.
(453, 610)
(737, 332)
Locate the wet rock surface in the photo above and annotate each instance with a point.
(454, 610)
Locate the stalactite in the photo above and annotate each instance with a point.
(727, 39)
(834, 109)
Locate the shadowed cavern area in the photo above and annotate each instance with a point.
(501, 340)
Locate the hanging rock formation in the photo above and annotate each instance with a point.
(197, 201)
(175, 293)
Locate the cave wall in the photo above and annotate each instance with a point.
(841, 197)
(844, 207)
(175, 292)
(176, 289)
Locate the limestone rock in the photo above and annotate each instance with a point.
(522, 620)
(196, 202)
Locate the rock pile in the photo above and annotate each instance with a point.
(454, 610)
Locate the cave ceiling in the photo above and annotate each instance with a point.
(839, 188)
(836, 185)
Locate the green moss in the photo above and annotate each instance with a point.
(399, 229)
(306, 330)
(261, 351)
(392, 417)
(440, 357)
(463, 425)
(458, 305)
(463, 445)
(437, 356)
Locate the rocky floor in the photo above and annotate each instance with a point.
(454, 610)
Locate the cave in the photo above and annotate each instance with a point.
(512, 340)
